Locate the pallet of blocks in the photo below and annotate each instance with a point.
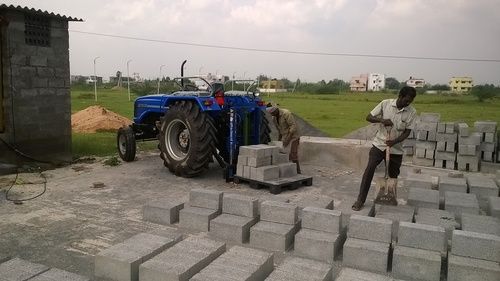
(488, 132)
(426, 133)
(468, 157)
(264, 166)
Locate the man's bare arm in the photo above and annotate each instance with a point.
(372, 119)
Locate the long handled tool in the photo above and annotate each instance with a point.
(387, 192)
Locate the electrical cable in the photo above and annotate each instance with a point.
(19, 201)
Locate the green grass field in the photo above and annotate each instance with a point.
(336, 115)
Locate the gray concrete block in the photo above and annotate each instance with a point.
(243, 160)
(240, 170)
(314, 200)
(265, 173)
(441, 127)
(196, 218)
(317, 245)
(430, 117)
(272, 236)
(345, 207)
(258, 161)
(162, 212)
(350, 274)
(476, 245)
(452, 184)
(447, 137)
(445, 164)
(441, 146)
(408, 150)
(472, 139)
(254, 151)
(206, 198)
(240, 205)
(396, 214)
(55, 274)
(429, 154)
(279, 212)
(368, 228)
(431, 136)
(487, 147)
(287, 170)
(321, 219)
(451, 146)
(455, 174)
(427, 145)
(459, 203)
(421, 135)
(483, 187)
(489, 137)
(280, 158)
(20, 270)
(485, 126)
(422, 236)
(182, 261)
(416, 264)
(366, 255)
(468, 163)
(450, 127)
(418, 181)
(481, 224)
(463, 129)
(121, 261)
(444, 155)
(297, 269)
(422, 161)
(467, 269)
(246, 172)
(269, 197)
(440, 218)
(494, 206)
(238, 263)
(427, 126)
(232, 228)
(420, 152)
(423, 198)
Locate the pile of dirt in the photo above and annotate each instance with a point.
(97, 118)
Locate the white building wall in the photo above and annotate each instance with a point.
(376, 82)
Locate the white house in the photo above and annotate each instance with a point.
(376, 82)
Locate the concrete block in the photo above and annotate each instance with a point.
(408, 150)
(443, 155)
(295, 268)
(447, 137)
(272, 236)
(122, 261)
(422, 161)
(314, 200)
(396, 214)
(239, 170)
(487, 156)
(420, 152)
(239, 263)
(55, 274)
(431, 136)
(441, 146)
(427, 126)
(463, 129)
(468, 163)
(269, 197)
(243, 160)
(240, 205)
(258, 161)
(317, 245)
(422, 236)
(196, 218)
(366, 255)
(421, 135)
(206, 198)
(472, 139)
(428, 145)
(368, 228)
(455, 174)
(481, 224)
(287, 170)
(468, 149)
(430, 117)
(494, 206)
(182, 261)
(476, 245)
(321, 219)
(416, 264)
(163, 212)
(429, 154)
(487, 147)
(483, 187)
(444, 164)
(20, 270)
(441, 127)
(485, 126)
(345, 208)
(451, 146)
(232, 228)
(423, 198)
(265, 173)
(440, 218)
(489, 137)
(450, 127)
(350, 274)
(467, 269)
(280, 158)
(255, 151)
(452, 184)
(418, 181)
(459, 203)
(246, 172)
(279, 212)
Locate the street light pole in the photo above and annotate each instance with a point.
(159, 75)
(244, 77)
(95, 80)
(232, 82)
(128, 80)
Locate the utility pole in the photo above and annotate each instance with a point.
(128, 80)
(159, 75)
(232, 82)
(95, 80)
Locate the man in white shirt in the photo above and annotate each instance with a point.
(396, 119)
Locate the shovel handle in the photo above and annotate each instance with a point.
(387, 152)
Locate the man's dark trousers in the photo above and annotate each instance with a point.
(375, 157)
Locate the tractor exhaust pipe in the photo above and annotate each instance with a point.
(182, 72)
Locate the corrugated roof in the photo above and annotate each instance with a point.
(39, 12)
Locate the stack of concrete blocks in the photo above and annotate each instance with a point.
(483, 187)
(409, 144)
(488, 132)
(264, 163)
(368, 244)
(19, 270)
(295, 269)
(459, 203)
(468, 149)
(418, 253)
(425, 146)
(238, 263)
(396, 214)
(182, 261)
(474, 256)
(446, 146)
(204, 205)
(122, 261)
(320, 237)
(277, 226)
(163, 212)
(239, 213)
(440, 218)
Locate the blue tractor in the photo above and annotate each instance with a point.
(197, 124)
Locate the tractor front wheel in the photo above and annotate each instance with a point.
(125, 141)
(186, 139)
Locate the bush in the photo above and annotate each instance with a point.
(485, 92)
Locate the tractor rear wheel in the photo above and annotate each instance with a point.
(125, 141)
(265, 129)
(186, 139)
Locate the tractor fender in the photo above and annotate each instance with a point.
(204, 103)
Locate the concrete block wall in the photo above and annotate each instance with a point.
(488, 146)
(264, 163)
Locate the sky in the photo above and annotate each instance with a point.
(318, 31)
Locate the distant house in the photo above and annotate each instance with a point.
(461, 84)
(415, 82)
(35, 102)
(376, 82)
(272, 86)
(359, 83)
